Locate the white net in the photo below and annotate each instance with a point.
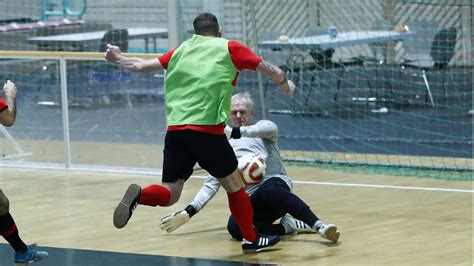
(379, 82)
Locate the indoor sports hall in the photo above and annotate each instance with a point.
(377, 137)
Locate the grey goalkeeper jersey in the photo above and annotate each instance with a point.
(261, 139)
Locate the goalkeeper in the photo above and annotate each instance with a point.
(272, 197)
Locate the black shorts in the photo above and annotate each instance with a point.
(183, 148)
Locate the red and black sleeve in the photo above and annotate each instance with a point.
(165, 58)
(243, 57)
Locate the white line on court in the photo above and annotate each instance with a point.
(373, 186)
(384, 186)
(153, 174)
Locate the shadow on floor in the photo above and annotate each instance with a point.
(76, 257)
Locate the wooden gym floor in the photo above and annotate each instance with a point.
(383, 220)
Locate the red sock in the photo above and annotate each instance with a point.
(155, 195)
(242, 210)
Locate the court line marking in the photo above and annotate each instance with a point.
(373, 186)
(153, 174)
(384, 186)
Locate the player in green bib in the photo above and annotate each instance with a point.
(201, 74)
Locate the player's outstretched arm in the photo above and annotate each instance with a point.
(264, 129)
(134, 64)
(8, 116)
(277, 75)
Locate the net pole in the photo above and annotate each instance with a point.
(64, 105)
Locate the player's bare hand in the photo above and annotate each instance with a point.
(288, 88)
(172, 222)
(292, 88)
(112, 53)
(9, 89)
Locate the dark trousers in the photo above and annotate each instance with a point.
(270, 202)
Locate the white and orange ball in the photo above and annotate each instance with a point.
(252, 168)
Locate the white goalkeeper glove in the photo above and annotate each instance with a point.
(173, 221)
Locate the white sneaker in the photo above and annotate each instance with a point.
(294, 226)
(329, 232)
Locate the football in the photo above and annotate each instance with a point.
(252, 169)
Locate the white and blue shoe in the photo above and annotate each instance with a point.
(329, 232)
(30, 255)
